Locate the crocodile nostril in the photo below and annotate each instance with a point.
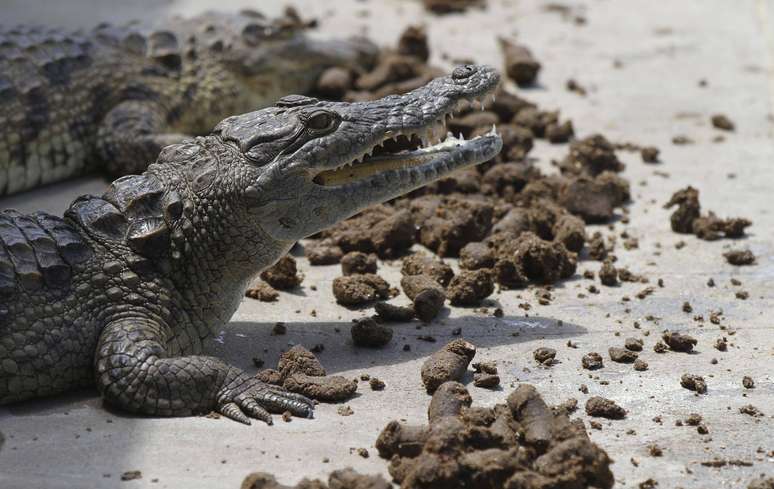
(463, 71)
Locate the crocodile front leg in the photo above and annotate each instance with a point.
(131, 136)
(134, 372)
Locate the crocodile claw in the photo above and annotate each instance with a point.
(251, 398)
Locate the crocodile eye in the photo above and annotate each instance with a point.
(320, 121)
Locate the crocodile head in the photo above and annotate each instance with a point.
(306, 164)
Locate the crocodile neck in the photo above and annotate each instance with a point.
(223, 249)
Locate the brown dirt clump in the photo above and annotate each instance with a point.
(592, 361)
(474, 256)
(262, 292)
(740, 257)
(604, 408)
(678, 341)
(334, 82)
(448, 224)
(622, 355)
(560, 133)
(532, 258)
(591, 156)
(283, 275)
(470, 287)
(422, 264)
(536, 120)
(688, 209)
(358, 262)
(485, 380)
(598, 250)
(299, 360)
(367, 332)
(571, 232)
(323, 252)
(449, 363)
(761, 483)
(379, 229)
(694, 383)
(334, 388)
(401, 439)
(633, 344)
(687, 218)
(357, 289)
(593, 199)
(520, 65)
(448, 400)
(426, 294)
(711, 227)
(338, 479)
(451, 6)
(392, 313)
(413, 42)
(544, 355)
(519, 445)
(299, 370)
(649, 154)
(721, 121)
(608, 274)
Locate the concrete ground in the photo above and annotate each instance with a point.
(642, 66)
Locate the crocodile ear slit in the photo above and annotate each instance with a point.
(149, 236)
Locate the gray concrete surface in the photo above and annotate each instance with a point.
(664, 49)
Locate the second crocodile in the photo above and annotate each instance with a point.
(113, 97)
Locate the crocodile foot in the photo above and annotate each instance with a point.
(247, 397)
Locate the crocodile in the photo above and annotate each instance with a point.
(123, 290)
(111, 98)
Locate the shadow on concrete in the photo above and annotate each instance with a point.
(243, 341)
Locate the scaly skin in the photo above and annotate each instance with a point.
(124, 289)
(113, 97)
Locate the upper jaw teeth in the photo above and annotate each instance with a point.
(431, 136)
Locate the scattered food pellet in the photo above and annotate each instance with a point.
(622, 355)
(678, 341)
(485, 380)
(592, 361)
(751, 410)
(448, 363)
(131, 475)
(604, 408)
(740, 257)
(367, 332)
(748, 382)
(262, 292)
(633, 344)
(544, 355)
(720, 121)
(390, 312)
(345, 410)
(520, 65)
(649, 154)
(283, 275)
(694, 383)
(655, 450)
(376, 384)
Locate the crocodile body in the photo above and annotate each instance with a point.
(111, 98)
(123, 290)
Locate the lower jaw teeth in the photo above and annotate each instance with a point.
(362, 171)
